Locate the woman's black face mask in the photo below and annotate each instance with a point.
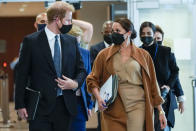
(117, 38)
(147, 40)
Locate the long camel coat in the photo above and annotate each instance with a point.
(114, 117)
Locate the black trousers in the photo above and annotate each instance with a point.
(58, 120)
(157, 124)
(165, 106)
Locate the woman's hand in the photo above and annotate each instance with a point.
(163, 120)
(101, 104)
(181, 107)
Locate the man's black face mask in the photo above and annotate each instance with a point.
(108, 39)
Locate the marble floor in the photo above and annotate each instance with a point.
(15, 125)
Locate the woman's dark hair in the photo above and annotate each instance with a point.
(158, 29)
(128, 26)
(147, 24)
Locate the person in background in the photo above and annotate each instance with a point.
(177, 89)
(95, 49)
(138, 92)
(86, 32)
(80, 29)
(41, 21)
(165, 67)
(51, 60)
(107, 40)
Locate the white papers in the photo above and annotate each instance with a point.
(105, 92)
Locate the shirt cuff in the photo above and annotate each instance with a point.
(74, 89)
(181, 98)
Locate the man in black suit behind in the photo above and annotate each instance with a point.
(53, 63)
(106, 32)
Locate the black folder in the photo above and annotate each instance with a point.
(32, 98)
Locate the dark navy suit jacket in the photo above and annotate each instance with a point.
(36, 62)
(88, 103)
(94, 51)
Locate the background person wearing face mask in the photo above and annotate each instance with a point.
(166, 71)
(138, 91)
(106, 32)
(41, 21)
(85, 104)
(159, 35)
(177, 89)
(53, 63)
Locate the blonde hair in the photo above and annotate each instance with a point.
(58, 9)
(76, 31)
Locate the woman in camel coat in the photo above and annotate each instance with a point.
(133, 108)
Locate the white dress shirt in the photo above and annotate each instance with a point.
(106, 44)
(51, 40)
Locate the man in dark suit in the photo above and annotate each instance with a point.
(53, 63)
(106, 32)
(40, 21)
(95, 49)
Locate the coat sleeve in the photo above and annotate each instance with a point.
(95, 77)
(173, 70)
(178, 88)
(80, 69)
(92, 55)
(88, 95)
(155, 90)
(22, 73)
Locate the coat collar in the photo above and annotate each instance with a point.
(136, 53)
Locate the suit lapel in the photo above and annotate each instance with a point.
(64, 52)
(45, 48)
(103, 46)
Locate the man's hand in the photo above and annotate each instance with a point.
(22, 113)
(165, 86)
(66, 83)
(181, 107)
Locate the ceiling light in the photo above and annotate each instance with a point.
(21, 9)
